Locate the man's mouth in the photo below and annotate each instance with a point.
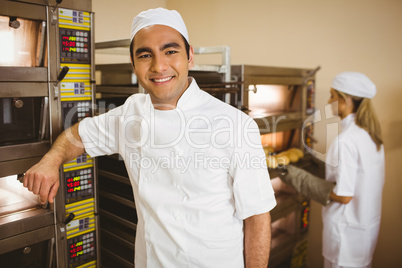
(161, 80)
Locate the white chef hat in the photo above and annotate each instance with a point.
(159, 16)
(355, 84)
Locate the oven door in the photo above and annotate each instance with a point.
(26, 228)
(24, 127)
(32, 249)
(24, 86)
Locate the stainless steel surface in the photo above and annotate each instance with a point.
(93, 58)
(24, 221)
(26, 238)
(84, 5)
(23, 89)
(18, 166)
(71, 4)
(23, 74)
(252, 75)
(225, 67)
(272, 123)
(20, 45)
(116, 74)
(14, 197)
(123, 43)
(42, 43)
(29, 76)
(18, 103)
(51, 252)
(44, 121)
(117, 91)
(26, 250)
(21, 151)
(20, 9)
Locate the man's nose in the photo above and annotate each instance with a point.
(159, 63)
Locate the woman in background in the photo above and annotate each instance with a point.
(354, 173)
(355, 162)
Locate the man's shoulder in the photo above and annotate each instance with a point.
(218, 107)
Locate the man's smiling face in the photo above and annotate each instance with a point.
(161, 64)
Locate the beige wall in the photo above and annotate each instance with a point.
(341, 35)
(113, 22)
(113, 18)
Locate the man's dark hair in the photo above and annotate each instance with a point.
(186, 44)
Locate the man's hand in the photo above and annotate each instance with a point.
(43, 179)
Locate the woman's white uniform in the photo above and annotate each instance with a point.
(351, 230)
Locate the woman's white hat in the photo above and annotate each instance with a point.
(355, 84)
(159, 16)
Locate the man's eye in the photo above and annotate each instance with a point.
(144, 56)
(171, 52)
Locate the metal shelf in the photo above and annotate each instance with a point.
(116, 218)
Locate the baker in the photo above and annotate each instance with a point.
(196, 164)
(355, 174)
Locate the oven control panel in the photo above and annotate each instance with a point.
(75, 42)
(74, 46)
(81, 249)
(79, 184)
(74, 111)
(77, 96)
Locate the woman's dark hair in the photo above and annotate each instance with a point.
(186, 44)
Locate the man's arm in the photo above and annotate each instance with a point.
(43, 178)
(340, 199)
(257, 240)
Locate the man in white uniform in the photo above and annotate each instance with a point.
(196, 164)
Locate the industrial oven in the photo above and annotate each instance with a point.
(279, 99)
(46, 85)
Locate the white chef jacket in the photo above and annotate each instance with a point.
(197, 171)
(351, 230)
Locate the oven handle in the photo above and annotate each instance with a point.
(42, 44)
(51, 245)
(44, 117)
(60, 77)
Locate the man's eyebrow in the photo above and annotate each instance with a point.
(142, 50)
(163, 47)
(170, 45)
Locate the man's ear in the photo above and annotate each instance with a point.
(191, 58)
